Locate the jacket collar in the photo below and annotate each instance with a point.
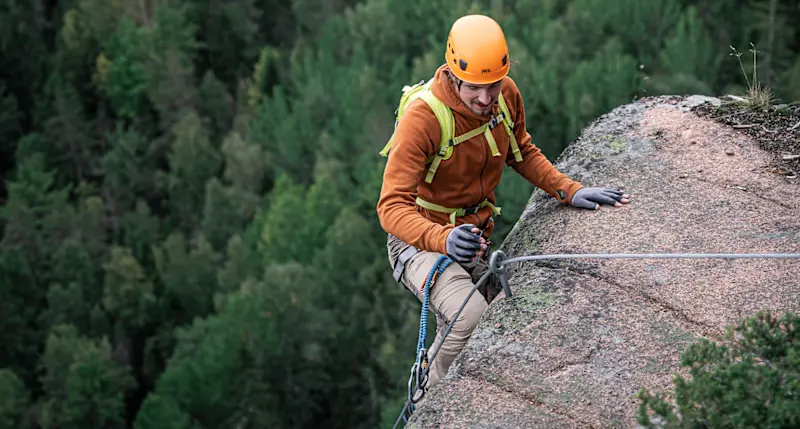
(445, 91)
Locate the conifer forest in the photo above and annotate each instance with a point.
(189, 236)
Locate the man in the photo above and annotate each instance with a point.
(416, 212)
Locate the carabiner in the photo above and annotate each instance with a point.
(418, 375)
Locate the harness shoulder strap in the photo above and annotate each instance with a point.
(446, 121)
(508, 124)
(447, 125)
(444, 115)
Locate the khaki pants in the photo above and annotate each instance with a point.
(445, 298)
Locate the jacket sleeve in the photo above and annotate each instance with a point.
(535, 167)
(416, 138)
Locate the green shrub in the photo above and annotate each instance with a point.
(751, 380)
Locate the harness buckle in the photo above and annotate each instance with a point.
(496, 120)
(471, 209)
(443, 149)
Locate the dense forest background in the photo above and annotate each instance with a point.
(189, 237)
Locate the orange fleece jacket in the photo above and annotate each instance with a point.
(467, 178)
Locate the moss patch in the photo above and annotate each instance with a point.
(515, 313)
(654, 367)
(673, 335)
(617, 143)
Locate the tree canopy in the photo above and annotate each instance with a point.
(189, 237)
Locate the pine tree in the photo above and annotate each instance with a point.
(119, 71)
(599, 84)
(14, 397)
(10, 116)
(187, 270)
(193, 160)
(25, 258)
(231, 35)
(128, 166)
(226, 212)
(162, 412)
(19, 311)
(748, 380)
(170, 64)
(216, 105)
(223, 371)
(688, 59)
(128, 295)
(84, 385)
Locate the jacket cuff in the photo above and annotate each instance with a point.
(566, 192)
(442, 241)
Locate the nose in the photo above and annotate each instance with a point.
(484, 97)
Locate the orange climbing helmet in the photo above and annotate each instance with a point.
(476, 50)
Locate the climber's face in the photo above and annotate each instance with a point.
(480, 98)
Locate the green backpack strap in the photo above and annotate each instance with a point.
(410, 93)
(508, 124)
(448, 128)
(448, 142)
(443, 114)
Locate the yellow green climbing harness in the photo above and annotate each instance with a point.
(444, 115)
(448, 141)
(463, 211)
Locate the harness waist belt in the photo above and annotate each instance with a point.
(458, 212)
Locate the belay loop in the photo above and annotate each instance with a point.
(419, 371)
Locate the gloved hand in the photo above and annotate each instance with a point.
(463, 243)
(591, 198)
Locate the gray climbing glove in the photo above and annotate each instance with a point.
(591, 198)
(462, 244)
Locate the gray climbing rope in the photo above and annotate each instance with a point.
(477, 286)
(504, 261)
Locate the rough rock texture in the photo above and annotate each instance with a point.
(776, 129)
(580, 338)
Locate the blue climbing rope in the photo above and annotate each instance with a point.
(419, 372)
(438, 268)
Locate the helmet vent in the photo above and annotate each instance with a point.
(462, 64)
(505, 59)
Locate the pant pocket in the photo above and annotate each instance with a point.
(394, 247)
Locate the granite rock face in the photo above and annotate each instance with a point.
(581, 337)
